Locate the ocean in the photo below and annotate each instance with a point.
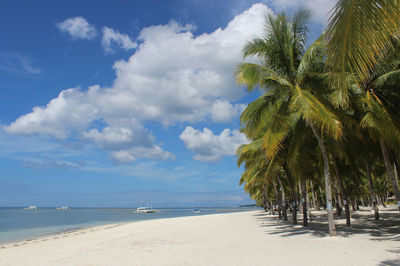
(19, 224)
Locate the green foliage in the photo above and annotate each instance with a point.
(351, 114)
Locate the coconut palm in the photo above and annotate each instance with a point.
(380, 105)
(260, 175)
(286, 70)
(357, 32)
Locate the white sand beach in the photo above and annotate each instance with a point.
(243, 238)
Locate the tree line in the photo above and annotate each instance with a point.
(326, 130)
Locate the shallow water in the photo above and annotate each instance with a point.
(18, 224)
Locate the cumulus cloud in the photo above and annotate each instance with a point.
(78, 28)
(223, 111)
(209, 147)
(175, 76)
(127, 144)
(71, 111)
(172, 77)
(112, 38)
(116, 138)
(320, 8)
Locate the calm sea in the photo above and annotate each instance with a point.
(18, 223)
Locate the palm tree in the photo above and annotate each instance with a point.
(357, 32)
(259, 174)
(286, 71)
(380, 106)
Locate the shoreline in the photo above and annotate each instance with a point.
(102, 225)
(240, 238)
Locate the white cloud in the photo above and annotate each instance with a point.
(320, 8)
(111, 36)
(176, 77)
(127, 144)
(78, 28)
(71, 111)
(41, 164)
(154, 152)
(224, 112)
(172, 77)
(209, 147)
(116, 138)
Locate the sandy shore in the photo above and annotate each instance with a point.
(244, 238)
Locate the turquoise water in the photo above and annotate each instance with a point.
(18, 224)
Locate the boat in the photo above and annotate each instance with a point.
(31, 208)
(63, 208)
(196, 211)
(146, 209)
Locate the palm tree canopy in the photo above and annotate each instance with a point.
(357, 32)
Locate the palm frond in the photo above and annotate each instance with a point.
(313, 110)
(357, 31)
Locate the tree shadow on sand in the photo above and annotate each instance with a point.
(363, 222)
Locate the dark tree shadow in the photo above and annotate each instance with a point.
(390, 263)
(363, 222)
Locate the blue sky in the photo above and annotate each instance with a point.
(116, 103)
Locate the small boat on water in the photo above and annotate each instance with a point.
(146, 209)
(196, 211)
(63, 208)
(31, 208)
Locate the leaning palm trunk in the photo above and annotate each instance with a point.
(372, 192)
(396, 167)
(389, 169)
(342, 192)
(327, 177)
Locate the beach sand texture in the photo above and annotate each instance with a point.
(243, 238)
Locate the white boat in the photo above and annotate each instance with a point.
(63, 208)
(146, 209)
(31, 208)
(196, 211)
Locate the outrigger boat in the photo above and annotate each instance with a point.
(146, 209)
(31, 208)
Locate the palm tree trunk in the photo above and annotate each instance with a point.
(279, 200)
(293, 194)
(341, 189)
(300, 196)
(352, 205)
(338, 200)
(389, 169)
(322, 198)
(304, 201)
(327, 177)
(283, 198)
(316, 207)
(396, 167)
(309, 203)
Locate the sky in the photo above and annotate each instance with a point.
(116, 103)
